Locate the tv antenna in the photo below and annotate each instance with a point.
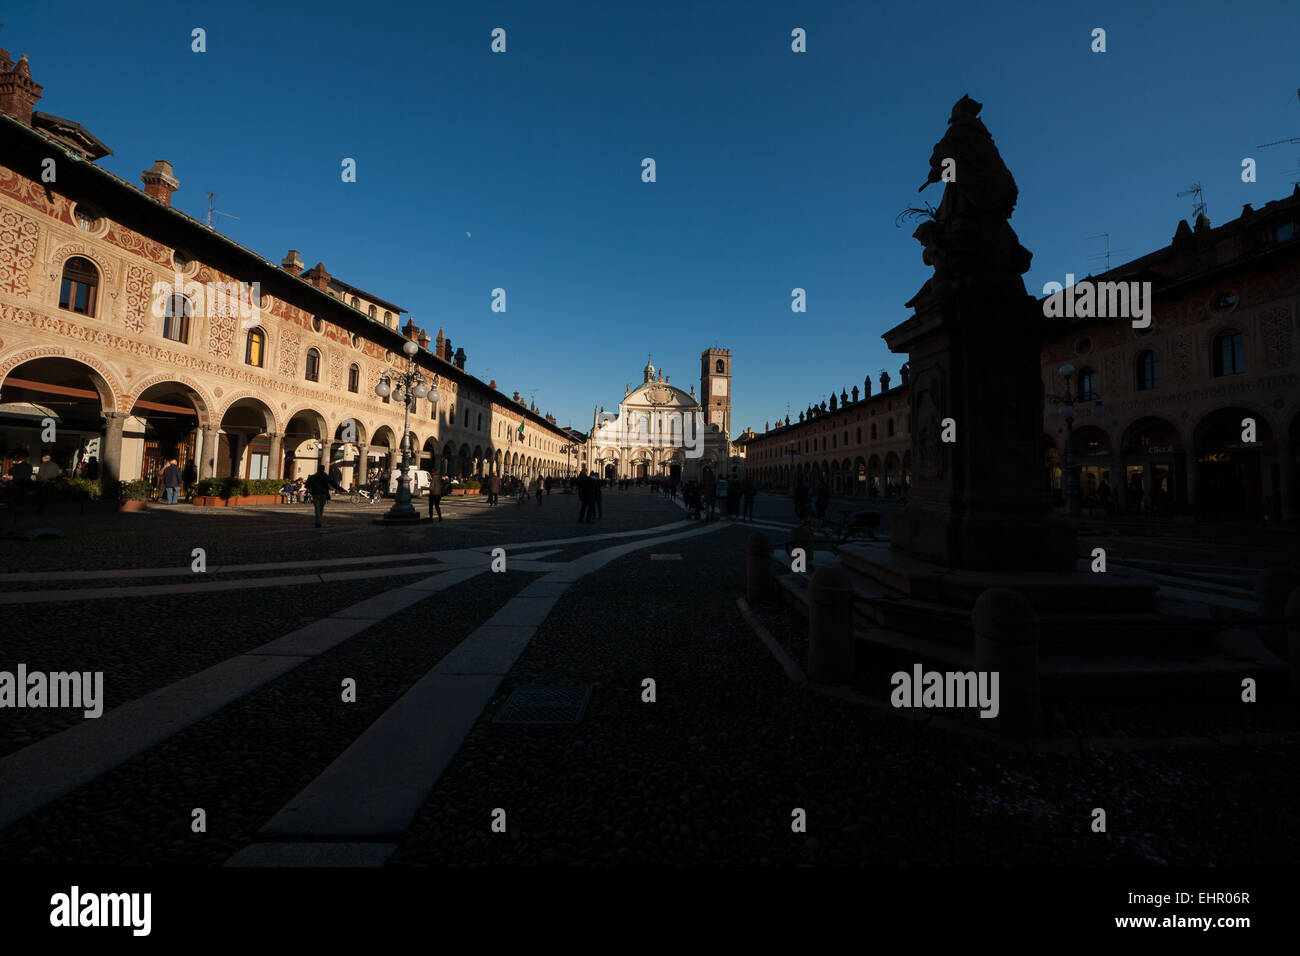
(212, 212)
(1279, 142)
(1107, 253)
(1200, 209)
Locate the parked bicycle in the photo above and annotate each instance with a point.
(365, 495)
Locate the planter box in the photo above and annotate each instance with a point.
(132, 505)
(465, 491)
(243, 500)
(209, 501)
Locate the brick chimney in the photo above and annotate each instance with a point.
(423, 339)
(318, 277)
(446, 351)
(438, 343)
(159, 181)
(492, 384)
(18, 93)
(460, 358)
(410, 331)
(292, 263)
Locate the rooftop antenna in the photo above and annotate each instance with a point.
(1200, 209)
(212, 212)
(1106, 255)
(1276, 142)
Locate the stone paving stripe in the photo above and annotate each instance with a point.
(378, 783)
(491, 649)
(48, 769)
(45, 771)
(313, 854)
(792, 670)
(523, 611)
(375, 788)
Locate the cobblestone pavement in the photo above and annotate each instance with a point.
(224, 690)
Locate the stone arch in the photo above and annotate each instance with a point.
(203, 407)
(105, 382)
(276, 423)
(107, 270)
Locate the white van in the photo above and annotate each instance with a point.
(420, 481)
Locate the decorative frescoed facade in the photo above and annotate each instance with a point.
(133, 333)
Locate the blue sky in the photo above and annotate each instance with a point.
(774, 169)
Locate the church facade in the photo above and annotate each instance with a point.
(660, 431)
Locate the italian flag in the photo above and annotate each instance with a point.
(521, 431)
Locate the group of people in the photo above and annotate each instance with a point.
(729, 496)
(589, 491)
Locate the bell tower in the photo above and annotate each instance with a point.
(715, 388)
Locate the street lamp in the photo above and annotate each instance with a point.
(793, 453)
(1068, 413)
(568, 451)
(406, 387)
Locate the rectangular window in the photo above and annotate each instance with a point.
(77, 296)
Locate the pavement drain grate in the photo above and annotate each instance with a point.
(545, 705)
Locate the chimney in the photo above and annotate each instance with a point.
(410, 331)
(460, 359)
(423, 339)
(437, 344)
(318, 277)
(18, 94)
(292, 263)
(446, 352)
(159, 181)
(492, 384)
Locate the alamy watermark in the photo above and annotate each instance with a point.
(656, 429)
(946, 689)
(1098, 300)
(241, 300)
(80, 689)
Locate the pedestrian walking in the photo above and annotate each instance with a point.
(823, 500)
(318, 486)
(494, 487)
(437, 488)
(750, 492)
(537, 490)
(172, 480)
(583, 484)
(596, 495)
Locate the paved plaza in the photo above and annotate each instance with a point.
(223, 690)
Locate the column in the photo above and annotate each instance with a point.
(1119, 480)
(110, 452)
(277, 454)
(210, 436)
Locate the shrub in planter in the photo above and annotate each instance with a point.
(206, 487)
(137, 490)
(83, 489)
(469, 484)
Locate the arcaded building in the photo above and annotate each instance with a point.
(1220, 353)
(140, 334)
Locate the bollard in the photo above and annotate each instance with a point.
(1292, 611)
(758, 567)
(1271, 589)
(1006, 641)
(830, 626)
(801, 538)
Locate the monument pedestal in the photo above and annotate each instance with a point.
(979, 500)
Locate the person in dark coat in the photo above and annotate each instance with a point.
(585, 505)
(318, 486)
(171, 479)
(750, 492)
(438, 488)
(596, 496)
(189, 475)
(493, 487)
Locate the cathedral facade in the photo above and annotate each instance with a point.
(660, 431)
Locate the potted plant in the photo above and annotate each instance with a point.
(133, 495)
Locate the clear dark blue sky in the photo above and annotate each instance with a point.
(775, 169)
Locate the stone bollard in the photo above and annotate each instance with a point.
(801, 538)
(1271, 589)
(830, 626)
(1006, 641)
(758, 567)
(1292, 610)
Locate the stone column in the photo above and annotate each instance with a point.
(277, 454)
(211, 436)
(110, 452)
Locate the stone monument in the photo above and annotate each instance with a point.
(978, 499)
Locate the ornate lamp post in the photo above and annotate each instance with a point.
(568, 451)
(406, 387)
(1068, 413)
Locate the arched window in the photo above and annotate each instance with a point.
(255, 348)
(1148, 371)
(356, 303)
(1228, 354)
(834, 438)
(873, 431)
(313, 365)
(1086, 390)
(80, 285)
(889, 428)
(354, 377)
(176, 319)
(372, 312)
(719, 367)
(859, 435)
(467, 418)
(388, 318)
(480, 423)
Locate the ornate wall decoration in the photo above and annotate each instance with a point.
(927, 401)
(1180, 355)
(139, 298)
(289, 353)
(221, 332)
(31, 193)
(17, 251)
(1276, 336)
(131, 241)
(336, 371)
